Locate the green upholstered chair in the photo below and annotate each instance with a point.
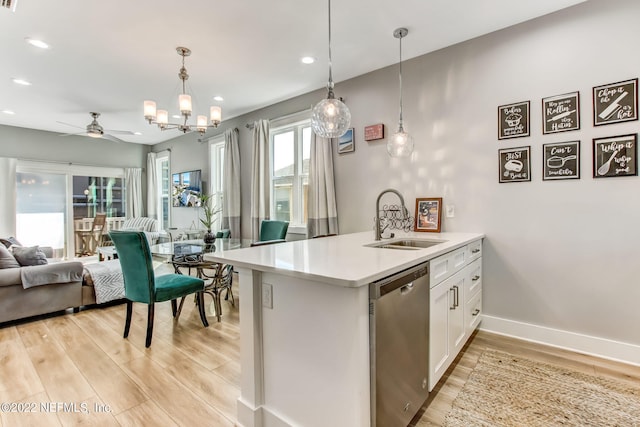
(142, 285)
(225, 233)
(273, 230)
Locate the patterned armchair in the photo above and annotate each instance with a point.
(148, 225)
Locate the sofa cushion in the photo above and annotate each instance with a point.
(6, 259)
(8, 241)
(29, 256)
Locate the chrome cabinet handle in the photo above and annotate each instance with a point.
(453, 307)
(456, 296)
(475, 251)
(475, 312)
(475, 278)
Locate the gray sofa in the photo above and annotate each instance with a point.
(27, 291)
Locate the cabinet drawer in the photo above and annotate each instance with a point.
(474, 283)
(447, 264)
(473, 312)
(475, 249)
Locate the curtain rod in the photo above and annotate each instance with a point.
(203, 140)
(250, 125)
(62, 162)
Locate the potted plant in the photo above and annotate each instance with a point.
(210, 212)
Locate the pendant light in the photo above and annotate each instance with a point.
(330, 117)
(400, 144)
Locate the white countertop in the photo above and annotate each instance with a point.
(341, 260)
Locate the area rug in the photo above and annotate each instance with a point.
(507, 390)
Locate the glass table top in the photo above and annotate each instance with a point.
(194, 247)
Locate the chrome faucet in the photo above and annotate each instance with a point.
(405, 212)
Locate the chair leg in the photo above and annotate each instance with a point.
(150, 324)
(127, 323)
(203, 315)
(174, 307)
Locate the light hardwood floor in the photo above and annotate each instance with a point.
(188, 377)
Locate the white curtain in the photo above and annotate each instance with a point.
(231, 196)
(152, 186)
(8, 206)
(322, 209)
(133, 189)
(260, 177)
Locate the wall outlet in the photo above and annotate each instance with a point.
(451, 211)
(267, 295)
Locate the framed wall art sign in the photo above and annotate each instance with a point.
(514, 164)
(346, 143)
(615, 102)
(561, 113)
(513, 120)
(615, 156)
(428, 214)
(373, 132)
(561, 160)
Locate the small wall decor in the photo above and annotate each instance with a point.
(561, 160)
(346, 143)
(428, 214)
(561, 113)
(513, 120)
(514, 164)
(615, 102)
(615, 156)
(373, 132)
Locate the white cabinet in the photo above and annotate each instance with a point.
(455, 305)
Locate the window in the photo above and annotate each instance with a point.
(216, 163)
(164, 190)
(290, 153)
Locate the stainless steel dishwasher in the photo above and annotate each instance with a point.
(399, 346)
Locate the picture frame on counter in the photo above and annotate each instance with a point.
(615, 156)
(561, 113)
(428, 214)
(561, 160)
(513, 120)
(346, 143)
(615, 102)
(514, 164)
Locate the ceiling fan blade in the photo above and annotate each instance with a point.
(119, 132)
(72, 134)
(111, 138)
(69, 124)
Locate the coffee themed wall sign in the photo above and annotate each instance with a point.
(513, 120)
(561, 160)
(514, 164)
(615, 156)
(615, 102)
(561, 113)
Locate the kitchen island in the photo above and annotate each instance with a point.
(304, 324)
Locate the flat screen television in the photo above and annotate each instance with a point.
(187, 189)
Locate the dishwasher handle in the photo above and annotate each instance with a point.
(406, 289)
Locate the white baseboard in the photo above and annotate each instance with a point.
(250, 416)
(600, 347)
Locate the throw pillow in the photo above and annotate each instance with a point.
(9, 241)
(6, 259)
(29, 256)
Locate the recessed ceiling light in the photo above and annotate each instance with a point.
(308, 59)
(137, 133)
(218, 98)
(11, 113)
(21, 82)
(37, 43)
(177, 116)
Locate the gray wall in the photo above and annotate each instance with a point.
(559, 254)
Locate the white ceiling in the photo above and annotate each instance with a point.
(109, 56)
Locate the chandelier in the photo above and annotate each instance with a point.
(161, 117)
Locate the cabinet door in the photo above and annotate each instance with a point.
(472, 312)
(446, 325)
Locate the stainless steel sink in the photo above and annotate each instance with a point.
(406, 244)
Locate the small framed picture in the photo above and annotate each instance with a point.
(428, 214)
(513, 120)
(346, 143)
(615, 102)
(615, 156)
(561, 113)
(561, 160)
(514, 164)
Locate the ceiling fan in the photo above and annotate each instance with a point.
(94, 130)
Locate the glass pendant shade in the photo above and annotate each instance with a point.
(330, 118)
(400, 144)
